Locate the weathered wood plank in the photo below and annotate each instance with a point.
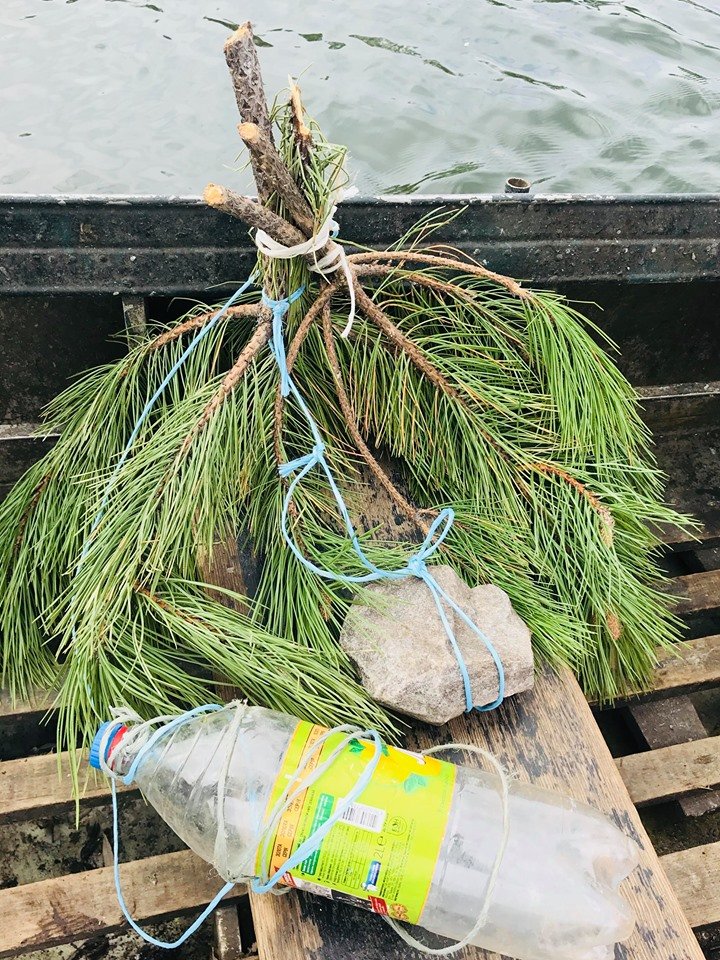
(550, 737)
(36, 786)
(695, 876)
(63, 909)
(697, 667)
(695, 592)
(671, 772)
(664, 723)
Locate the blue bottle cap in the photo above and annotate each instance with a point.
(94, 757)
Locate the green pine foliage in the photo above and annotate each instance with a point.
(540, 451)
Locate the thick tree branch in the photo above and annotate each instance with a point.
(252, 213)
(268, 163)
(244, 66)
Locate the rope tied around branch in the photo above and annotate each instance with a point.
(334, 256)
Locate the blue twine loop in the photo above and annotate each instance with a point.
(416, 566)
(306, 849)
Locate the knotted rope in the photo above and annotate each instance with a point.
(334, 259)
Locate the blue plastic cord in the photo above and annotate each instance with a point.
(416, 565)
(308, 847)
(128, 779)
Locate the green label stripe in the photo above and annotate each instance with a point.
(322, 813)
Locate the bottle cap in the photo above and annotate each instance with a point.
(119, 728)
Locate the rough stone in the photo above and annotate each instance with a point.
(394, 634)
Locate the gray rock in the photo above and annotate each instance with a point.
(394, 634)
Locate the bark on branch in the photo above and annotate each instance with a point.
(252, 213)
(244, 66)
(268, 163)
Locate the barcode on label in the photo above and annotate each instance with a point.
(368, 818)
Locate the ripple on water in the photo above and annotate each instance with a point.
(453, 96)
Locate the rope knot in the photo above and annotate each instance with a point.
(417, 567)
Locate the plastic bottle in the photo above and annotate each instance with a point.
(555, 897)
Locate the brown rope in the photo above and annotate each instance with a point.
(377, 471)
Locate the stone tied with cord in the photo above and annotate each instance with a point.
(395, 636)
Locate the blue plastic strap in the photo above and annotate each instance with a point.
(416, 565)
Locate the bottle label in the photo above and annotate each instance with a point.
(382, 854)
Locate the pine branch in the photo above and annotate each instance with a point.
(376, 470)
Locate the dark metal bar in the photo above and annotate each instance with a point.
(144, 245)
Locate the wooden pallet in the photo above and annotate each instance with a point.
(547, 736)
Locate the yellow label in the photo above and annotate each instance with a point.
(381, 855)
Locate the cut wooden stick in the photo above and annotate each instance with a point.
(268, 163)
(244, 66)
(252, 213)
(301, 132)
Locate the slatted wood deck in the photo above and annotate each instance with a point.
(82, 905)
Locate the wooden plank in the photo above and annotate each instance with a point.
(79, 905)
(695, 876)
(670, 772)
(695, 593)
(664, 723)
(547, 736)
(34, 787)
(697, 667)
(680, 407)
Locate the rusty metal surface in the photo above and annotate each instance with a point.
(170, 245)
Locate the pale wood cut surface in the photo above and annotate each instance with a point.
(670, 772)
(695, 874)
(80, 905)
(549, 737)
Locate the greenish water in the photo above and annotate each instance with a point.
(432, 96)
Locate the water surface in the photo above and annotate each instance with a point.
(127, 96)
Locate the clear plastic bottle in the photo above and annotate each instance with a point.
(556, 895)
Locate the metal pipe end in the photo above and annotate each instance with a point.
(517, 185)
